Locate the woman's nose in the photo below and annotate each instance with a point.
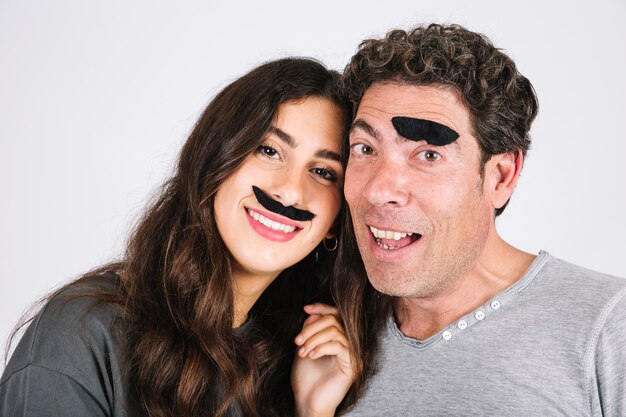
(288, 189)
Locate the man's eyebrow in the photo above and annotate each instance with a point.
(283, 136)
(363, 125)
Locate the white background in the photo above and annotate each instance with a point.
(96, 99)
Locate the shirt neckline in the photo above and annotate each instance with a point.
(456, 328)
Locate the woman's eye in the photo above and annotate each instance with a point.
(361, 149)
(325, 174)
(429, 156)
(268, 151)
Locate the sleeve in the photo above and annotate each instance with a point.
(66, 364)
(35, 391)
(608, 397)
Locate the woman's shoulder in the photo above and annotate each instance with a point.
(70, 358)
(76, 333)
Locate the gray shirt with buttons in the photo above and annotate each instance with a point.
(553, 344)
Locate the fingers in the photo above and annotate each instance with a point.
(320, 308)
(322, 333)
(312, 318)
(316, 323)
(337, 349)
(327, 336)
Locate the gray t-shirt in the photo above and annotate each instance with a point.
(70, 362)
(553, 344)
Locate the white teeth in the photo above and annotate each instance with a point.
(385, 246)
(270, 223)
(388, 234)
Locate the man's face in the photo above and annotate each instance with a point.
(420, 213)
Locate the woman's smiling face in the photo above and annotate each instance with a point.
(296, 164)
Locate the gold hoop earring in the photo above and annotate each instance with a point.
(335, 244)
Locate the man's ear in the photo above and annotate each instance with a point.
(501, 174)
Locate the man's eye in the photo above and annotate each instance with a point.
(429, 156)
(361, 149)
(268, 151)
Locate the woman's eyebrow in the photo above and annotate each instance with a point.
(283, 136)
(328, 154)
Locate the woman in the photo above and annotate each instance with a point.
(199, 317)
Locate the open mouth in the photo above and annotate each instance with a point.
(271, 224)
(393, 240)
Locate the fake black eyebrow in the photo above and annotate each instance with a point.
(419, 129)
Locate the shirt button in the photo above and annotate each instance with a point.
(447, 335)
(495, 304)
(479, 315)
(462, 324)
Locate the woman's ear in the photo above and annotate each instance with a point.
(501, 175)
(333, 232)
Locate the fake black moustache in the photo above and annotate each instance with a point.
(274, 206)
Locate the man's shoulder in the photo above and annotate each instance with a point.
(573, 295)
(570, 279)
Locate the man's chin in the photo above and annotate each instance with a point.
(389, 285)
(397, 285)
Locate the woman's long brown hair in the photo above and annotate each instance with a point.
(363, 309)
(174, 282)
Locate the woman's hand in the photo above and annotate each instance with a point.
(322, 371)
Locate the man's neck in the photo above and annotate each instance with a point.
(499, 266)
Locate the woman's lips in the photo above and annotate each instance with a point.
(272, 226)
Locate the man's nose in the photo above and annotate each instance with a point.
(387, 184)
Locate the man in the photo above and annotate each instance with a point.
(454, 321)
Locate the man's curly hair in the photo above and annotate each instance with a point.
(501, 102)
